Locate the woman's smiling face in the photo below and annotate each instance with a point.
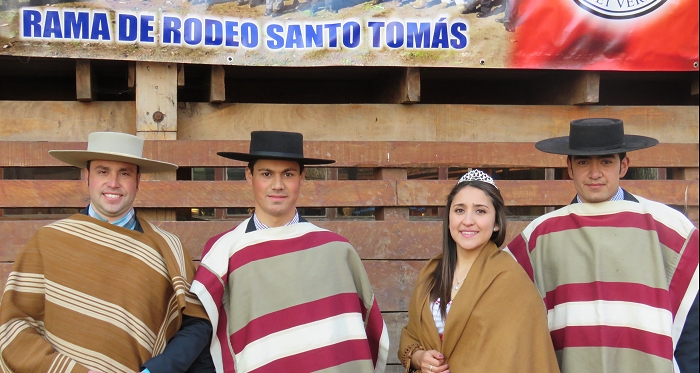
(472, 219)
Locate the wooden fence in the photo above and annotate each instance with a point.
(390, 139)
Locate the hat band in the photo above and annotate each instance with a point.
(263, 154)
(604, 147)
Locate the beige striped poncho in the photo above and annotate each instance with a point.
(84, 294)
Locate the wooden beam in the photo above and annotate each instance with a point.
(174, 194)
(68, 121)
(217, 86)
(545, 192)
(84, 81)
(376, 240)
(326, 193)
(371, 154)
(454, 123)
(63, 120)
(156, 119)
(156, 97)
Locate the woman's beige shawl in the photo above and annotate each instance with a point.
(497, 321)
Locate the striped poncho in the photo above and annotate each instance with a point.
(85, 294)
(289, 299)
(618, 280)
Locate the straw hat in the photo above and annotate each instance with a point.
(112, 146)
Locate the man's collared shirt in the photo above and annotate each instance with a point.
(619, 196)
(128, 221)
(260, 226)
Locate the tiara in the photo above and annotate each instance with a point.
(477, 175)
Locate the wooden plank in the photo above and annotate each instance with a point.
(391, 213)
(63, 120)
(174, 194)
(544, 193)
(467, 123)
(39, 121)
(156, 96)
(84, 82)
(379, 240)
(217, 86)
(406, 154)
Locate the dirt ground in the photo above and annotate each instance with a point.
(489, 43)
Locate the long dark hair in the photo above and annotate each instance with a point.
(440, 283)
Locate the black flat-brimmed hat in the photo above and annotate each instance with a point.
(595, 136)
(287, 146)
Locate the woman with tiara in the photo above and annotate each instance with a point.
(473, 307)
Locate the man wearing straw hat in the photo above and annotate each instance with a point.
(618, 273)
(283, 294)
(104, 290)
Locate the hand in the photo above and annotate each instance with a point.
(430, 361)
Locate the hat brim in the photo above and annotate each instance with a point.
(560, 145)
(245, 157)
(80, 158)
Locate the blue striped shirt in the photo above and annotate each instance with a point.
(128, 221)
(619, 196)
(260, 225)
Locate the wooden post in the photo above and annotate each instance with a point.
(84, 81)
(403, 88)
(156, 116)
(217, 87)
(691, 175)
(332, 213)
(570, 88)
(694, 84)
(391, 213)
(549, 175)
(443, 174)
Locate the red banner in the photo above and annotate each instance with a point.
(607, 34)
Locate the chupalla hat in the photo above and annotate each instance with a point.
(112, 146)
(595, 136)
(280, 145)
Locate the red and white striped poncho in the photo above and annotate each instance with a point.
(289, 299)
(618, 280)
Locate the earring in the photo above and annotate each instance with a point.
(495, 229)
